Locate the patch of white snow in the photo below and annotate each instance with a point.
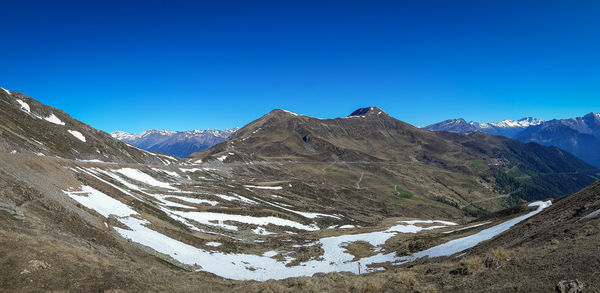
(77, 134)
(140, 176)
(53, 119)
(24, 106)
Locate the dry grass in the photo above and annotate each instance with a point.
(473, 263)
(360, 249)
(497, 257)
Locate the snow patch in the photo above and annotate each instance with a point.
(590, 215)
(304, 214)
(7, 91)
(264, 187)
(290, 112)
(140, 176)
(91, 161)
(24, 106)
(77, 134)
(100, 202)
(262, 231)
(53, 119)
(170, 173)
(194, 200)
(208, 218)
(461, 244)
(465, 228)
(412, 222)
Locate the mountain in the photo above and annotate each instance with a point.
(579, 136)
(27, 126)
(508, 128)
(288, 196)
(369, 135)
(177, 143)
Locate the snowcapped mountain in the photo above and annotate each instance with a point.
(121, 135)
(524, 122)
(507, 128)
(579, 136)
(178, 143)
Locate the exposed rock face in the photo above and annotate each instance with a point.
(569, 286)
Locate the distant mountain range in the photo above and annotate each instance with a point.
(178, 143)
(579, 136)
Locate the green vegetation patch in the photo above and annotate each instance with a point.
(479, 164)
(401, 193)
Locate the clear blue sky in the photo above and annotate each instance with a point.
(135, 65)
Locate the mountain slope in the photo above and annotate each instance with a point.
(177, 143)
(579, 136)
(557, 248)
(29, 126)
(525, 171)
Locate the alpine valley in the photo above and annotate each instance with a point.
(291, 203)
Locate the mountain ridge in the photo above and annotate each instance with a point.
(177, 143)
(32, 127)
(579, 136)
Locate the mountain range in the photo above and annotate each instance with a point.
(372, 136)
(293, 201)
(579, 136)
(177, 143)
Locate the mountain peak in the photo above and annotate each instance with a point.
(454, 125)
(521, 123)
(282, 112)
(121, 135)
(368, 111)
(592, 115)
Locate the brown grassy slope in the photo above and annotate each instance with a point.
(552, 246)
(533, 256)
(29, 132)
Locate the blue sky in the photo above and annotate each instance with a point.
(136, 65)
